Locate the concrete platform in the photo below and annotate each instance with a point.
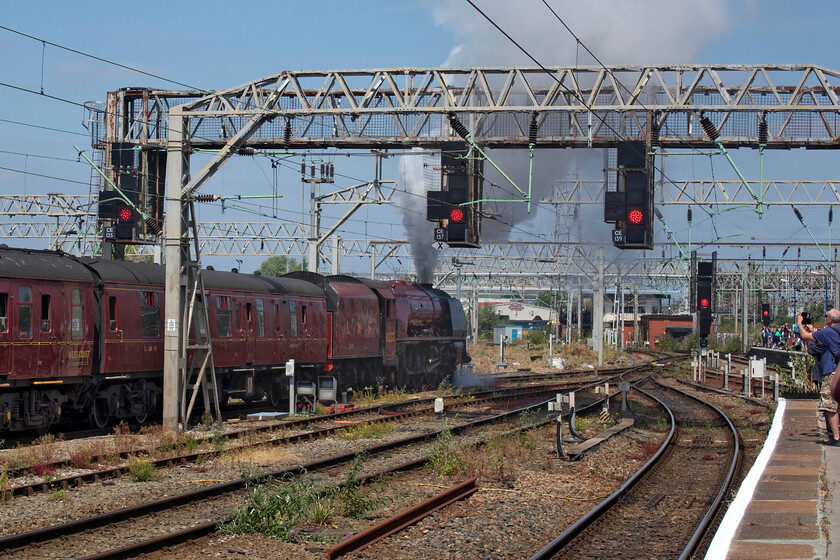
(786, 507)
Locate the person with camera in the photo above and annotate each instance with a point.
(824, 345)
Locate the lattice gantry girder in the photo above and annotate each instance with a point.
(719, 193)
(52, 205)
(576, 106)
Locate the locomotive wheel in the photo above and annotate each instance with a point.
(140, 418)
(43, 430)
(275, 393)
(149, 405)
(98, 414)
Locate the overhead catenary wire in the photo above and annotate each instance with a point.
(583, 102)
(44, 42)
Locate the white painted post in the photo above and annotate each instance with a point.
(290, 373)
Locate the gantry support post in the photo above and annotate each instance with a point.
(598, 307)
(175, 248)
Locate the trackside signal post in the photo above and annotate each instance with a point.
(765, 314)
(457, 206)
(704, 297)
(630, 205)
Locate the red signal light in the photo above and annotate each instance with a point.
(456, 215)
(765, 313)
(125, 214)
(635, 216)
(704, 302)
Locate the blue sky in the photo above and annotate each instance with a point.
(217, 45)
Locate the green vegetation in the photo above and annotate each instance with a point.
(278, 265)
(141, 470)
(668, 344)
(5, 485)
(444, 387)
(487, 319)
(279, 509)
(446, 458)
(366, 430)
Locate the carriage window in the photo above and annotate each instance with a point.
(303, 315)
(151, 315)
(293, 317)
(223, 315)
(25, 312)
(45, 313)
(249, 317)
(112, 313)
(4, 313)
(77, 315)
(277, 316)
(260, 318)
(241, 326)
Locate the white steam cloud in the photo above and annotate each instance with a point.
(618, 33)
(412, 203)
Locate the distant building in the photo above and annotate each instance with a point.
(655, 326)
(510, 333)
(524, 313)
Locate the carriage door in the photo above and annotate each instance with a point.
(49, 349)
(5, 347)
(24, 356)
(250, 334)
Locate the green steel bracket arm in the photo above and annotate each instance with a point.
(151, 223)
(462, 131)
(113, 185)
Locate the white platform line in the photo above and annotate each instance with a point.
(723, 538)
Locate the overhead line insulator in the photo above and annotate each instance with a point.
(532, 130)
(709, 128)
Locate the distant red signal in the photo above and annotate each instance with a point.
(635, 216)
(704, 302)
(456, 215)
(125, 214)
(766, 313)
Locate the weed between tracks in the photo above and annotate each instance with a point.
(504, 452)
(280, 509)
(370, 397)
(141, 470)
(5, 485)
(366, 430)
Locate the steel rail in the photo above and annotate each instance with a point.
(203, 529)
(578, 526)
(151, 545)
(696, 538)
(402, 520)
(553, 547)
(50, 533)
(55, 531)
(80, 479)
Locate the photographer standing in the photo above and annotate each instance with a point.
(824, 366)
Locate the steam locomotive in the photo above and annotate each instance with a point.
(82, 339)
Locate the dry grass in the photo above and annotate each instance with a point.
(520, 354)
(505, 455)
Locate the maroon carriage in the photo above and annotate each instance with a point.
(46, 334)
(360, 315)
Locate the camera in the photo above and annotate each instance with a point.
(806, 318)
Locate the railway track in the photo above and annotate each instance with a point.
(664, 510)
(131, 531)
(276, 434)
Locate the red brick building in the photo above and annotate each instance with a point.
(654, 326)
